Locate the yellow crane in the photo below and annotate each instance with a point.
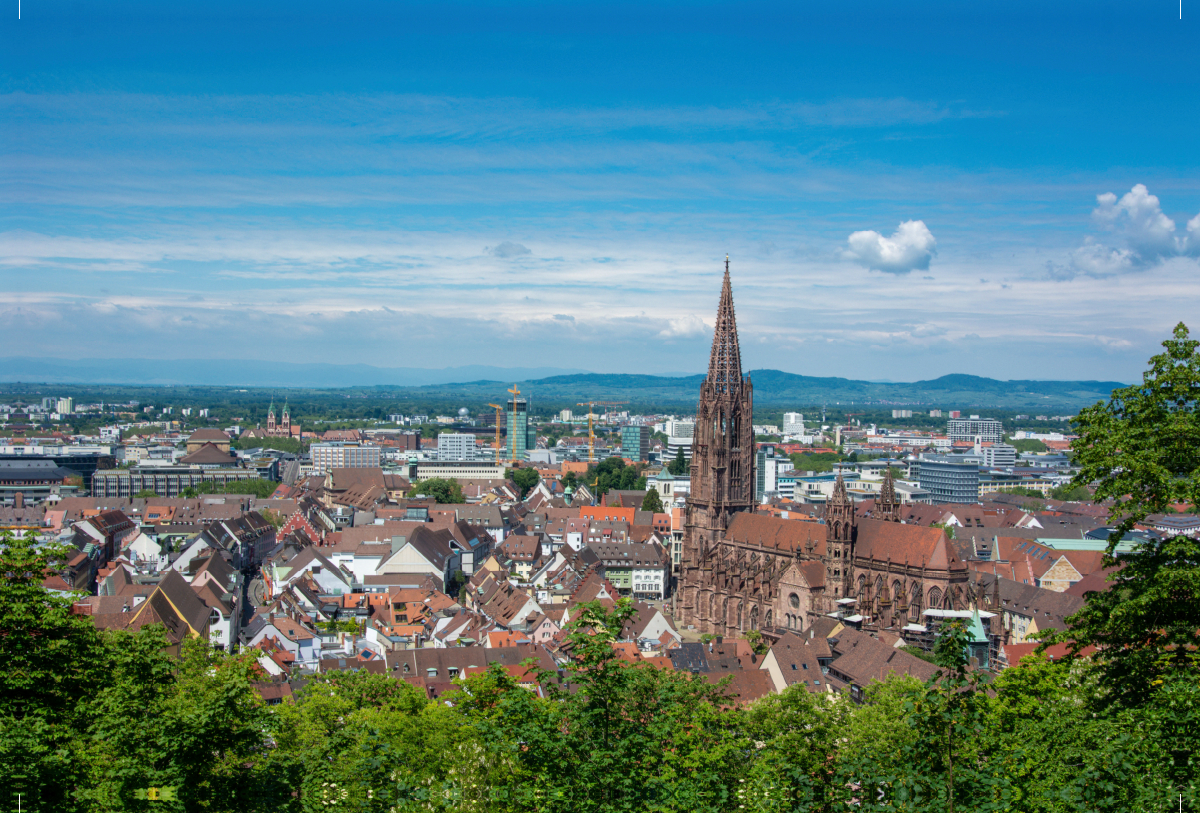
(499, 411)
(591, 417)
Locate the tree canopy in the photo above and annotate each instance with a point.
(525, 477)
(613, 474)
(679, 466)
(444, 491)
(652, 501)
(1141, 450)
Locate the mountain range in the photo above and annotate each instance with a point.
(555, 385)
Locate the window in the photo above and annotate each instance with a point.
(794, 600)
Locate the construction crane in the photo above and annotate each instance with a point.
(499, 411)
(591, 417)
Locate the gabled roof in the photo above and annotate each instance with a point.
(209, 455)
(208, 434)
(787, 535)
(913, 544)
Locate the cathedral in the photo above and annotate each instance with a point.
(740, 570)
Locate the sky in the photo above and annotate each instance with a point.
(1008, 189)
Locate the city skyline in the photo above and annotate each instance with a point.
(1005, 190)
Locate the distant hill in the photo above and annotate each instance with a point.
(776, 388)
(549, 385)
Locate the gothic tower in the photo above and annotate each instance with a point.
(287, 419)
(839, 543)
(887, 507)
(271, 418)
(722, 471)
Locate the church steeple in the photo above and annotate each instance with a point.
(271, 416)
(722, 471)
(725, 363)
(839, 541)
(887, 507)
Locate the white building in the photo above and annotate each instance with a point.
(458, 447)
(793, 423)
(344, 455)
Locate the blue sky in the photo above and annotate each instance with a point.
(906, 190)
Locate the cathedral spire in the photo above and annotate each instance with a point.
(887, 508)
(725, 363)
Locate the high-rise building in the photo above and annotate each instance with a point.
(793, 423)
(521, 437)
(768, 468)
(458, 447)
(65, 406)
(986, 429)
(722, 470)
(635, 442)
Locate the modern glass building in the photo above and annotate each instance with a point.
(635, 442)
(521, 437)
(950, 480)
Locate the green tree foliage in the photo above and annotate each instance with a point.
(1141, 450)
(679, 466)
(254, 487)
(447, 492)
(613, 474)
(652, 501)
(525, 478)
(280, 444)
(1072, 492)
(1026, 445)
(146, 494)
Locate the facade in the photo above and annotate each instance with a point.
(770, 465)
(793, 423)
(963, 429)
(456, 447)
(165, 481)
(949, 480)
(635, 442)
(344, 455)
(998, 455)
(521, 438)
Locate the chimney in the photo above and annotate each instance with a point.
(18, 500)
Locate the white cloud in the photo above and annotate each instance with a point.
(1148, 237)
(684, 327)
(909, 249)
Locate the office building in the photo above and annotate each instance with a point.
(986, 429)
(165, 481)
(902, 413)
(456, 447)
(65, 406)
(793, 423)
(343, 455)
(949, 479)
(635, 442)
(998, 455)
(521, 437)
(770, 466)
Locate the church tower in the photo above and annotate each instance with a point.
(271, 418)
(287, 419)
(722, 471)
(887, 507)
(839, 542)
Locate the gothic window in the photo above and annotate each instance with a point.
(767, 619)
(935, 598)
(794, 600)
(739, 615)
(754, 617)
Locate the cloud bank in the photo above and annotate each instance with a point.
(910, 248)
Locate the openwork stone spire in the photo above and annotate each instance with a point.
(725, 363)
(887, 507)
